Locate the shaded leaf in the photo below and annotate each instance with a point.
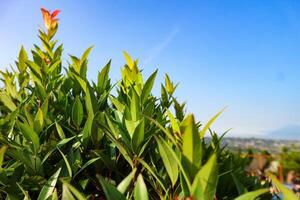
(110, 191)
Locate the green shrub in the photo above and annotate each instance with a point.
(64, 137)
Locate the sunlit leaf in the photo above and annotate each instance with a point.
(49, 187)
(140, 189)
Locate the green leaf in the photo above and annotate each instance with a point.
(66, 162)
(129, 60)
(169, 161)
(205, 183)
(49, 187)
(91, 161)
(253, 195)
(140, 189)
(122, 187)
(25, 193)
(191, 142)
(38, 121)
(60, 131)
(2, 152)
(90, 101)
(135, 108)
(287, 194)
(110, 191)
(86, 54)
(120, 107)
(239, 186)
(151, 171)
(173, 121)
(77, 112)
(54, 196)
(131, 126)
(7, 101)
(170, 88)
(148, 87)
(86, 133)
(35, 68)
(69, 192)
(22, 60)
(167, 147)
(103, 77)
(209, 123)
(30, 135)
(138, 136)
(54, 66)
(61, 143)
(170, 136)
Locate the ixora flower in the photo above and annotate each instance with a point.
(50, 19)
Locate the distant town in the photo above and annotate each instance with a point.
(258, 144)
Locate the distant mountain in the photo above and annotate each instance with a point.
(290, 132)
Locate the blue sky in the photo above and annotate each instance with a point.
(240, 54)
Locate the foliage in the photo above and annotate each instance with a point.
(290, 160)
(64, 137)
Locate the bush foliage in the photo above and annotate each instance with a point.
(65, 137)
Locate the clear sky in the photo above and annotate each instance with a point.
(240, 54)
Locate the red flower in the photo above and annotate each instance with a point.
(50, 19)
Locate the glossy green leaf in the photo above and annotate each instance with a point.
(167, 147)
(205, 183)
(81, 82)
(148, 87)
(209, 123)
(131, 126)
(138, 136)
(77, 112)
(86, 54)
(140, 189)
(129, 60)
(35, 68)
(66, 163)
(30, 135)
(39, 121)
(169, 161)
(135, 108)
(2, 153)
(253, 195)
(191, 143)
(174, 123)
(7, 101)
(170, 88)
(124, 184)
(86, 133)
(151, 171)
(60, 131)
(22, 60)
(71, 193)
(54, 195)
(120, 107)
(49, 187)
(103, 77)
